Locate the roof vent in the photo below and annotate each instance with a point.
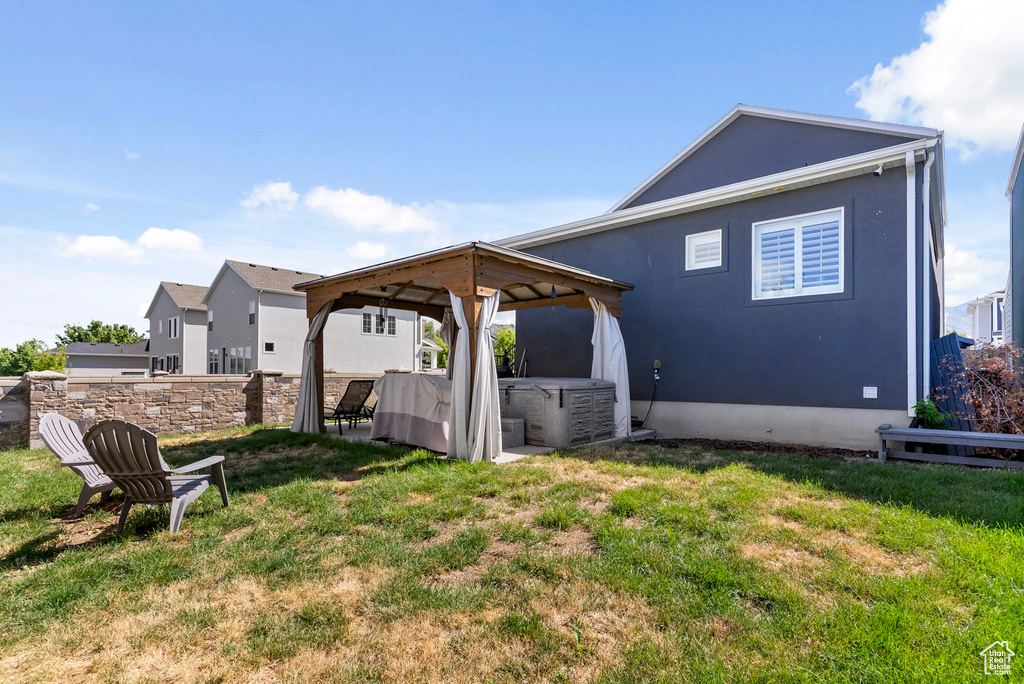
(252, 265)
(273, 268)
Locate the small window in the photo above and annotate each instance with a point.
(160, 326)
(427, 364)
(392, 326)
(367, 324)
(798, 255)
(704, 250)
(379, 329)
(999, 315)
(172, 328)
(209, 321)
(173, 365)
(247, 367)
(268, 347)
(252, 313)
(213, 365)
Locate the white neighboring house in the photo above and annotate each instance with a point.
(986, 314)
(255, 320)
(107, 360)
(177, 329)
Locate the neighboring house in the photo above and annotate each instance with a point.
(986, 315)
(255, 320)
(1015, 289)
(428, 351)
(788, 280)
(104, 359)
(177, 329)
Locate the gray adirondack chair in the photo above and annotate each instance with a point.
(63, 438)
(129, 455)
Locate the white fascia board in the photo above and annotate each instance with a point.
(802, 177)
(293, 293)
(152, 304)
(1018, 156)
(782, 115)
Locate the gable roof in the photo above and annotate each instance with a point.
(806, 176)
(910, 132)
(186, 297)
(140, 348)
(1018, 157)
(266, 278)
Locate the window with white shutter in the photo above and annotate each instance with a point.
(798, 255)
(704, 250)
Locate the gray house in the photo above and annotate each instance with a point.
(103, 359)
(1014, 318)
(177, 329)
(254, 319)
(788, 272)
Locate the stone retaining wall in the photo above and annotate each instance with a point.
(165, 404)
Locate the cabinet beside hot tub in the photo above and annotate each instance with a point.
(560, 412)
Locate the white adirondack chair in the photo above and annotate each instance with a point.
(129, 455)
(63, 438)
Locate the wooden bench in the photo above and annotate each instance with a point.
(956, 437)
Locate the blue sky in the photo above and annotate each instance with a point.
(143, 142)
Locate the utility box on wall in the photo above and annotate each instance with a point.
(560, 412)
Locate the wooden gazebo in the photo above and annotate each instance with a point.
(471, 271)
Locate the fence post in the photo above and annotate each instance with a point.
(47, 393)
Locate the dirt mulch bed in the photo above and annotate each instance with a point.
(770, 447)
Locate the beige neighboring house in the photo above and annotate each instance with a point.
(107, 360)
(177, 329)
(255, 320)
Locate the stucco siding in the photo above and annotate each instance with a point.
(160, 345)
(751, 147)
(229, 302)
(718, 346)
(348, 350)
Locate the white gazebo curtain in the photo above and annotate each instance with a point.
(474, 422)
(610, 363)
(306, 418)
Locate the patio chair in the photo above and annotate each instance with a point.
(353, 406)
(63, 438)
(129, 455)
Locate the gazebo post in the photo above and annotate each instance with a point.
(471, 306)
(318, 359)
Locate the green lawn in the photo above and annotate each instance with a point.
(341, 562)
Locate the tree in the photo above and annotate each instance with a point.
(98, 331)
(505, 343)
(31, 355)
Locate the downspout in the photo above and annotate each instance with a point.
(926, 275)
(911, 282)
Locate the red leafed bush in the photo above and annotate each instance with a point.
(991, 384)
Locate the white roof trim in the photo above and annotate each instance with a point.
(825, 172)
(1018, 156)
(783, 115)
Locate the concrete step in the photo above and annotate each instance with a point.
(642, 434)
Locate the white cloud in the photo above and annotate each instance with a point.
(90, 207)
(967, 77)
(278, 196)
(359, 211)
(131, 156)
(368, 251)
(155, 242)
(970, 275)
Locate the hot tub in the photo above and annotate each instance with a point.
(560, 412)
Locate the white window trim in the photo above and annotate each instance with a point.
(362, 328)
(173, 329)
(387, 326)
(689, 252)
(272, 351)
(755, 262)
